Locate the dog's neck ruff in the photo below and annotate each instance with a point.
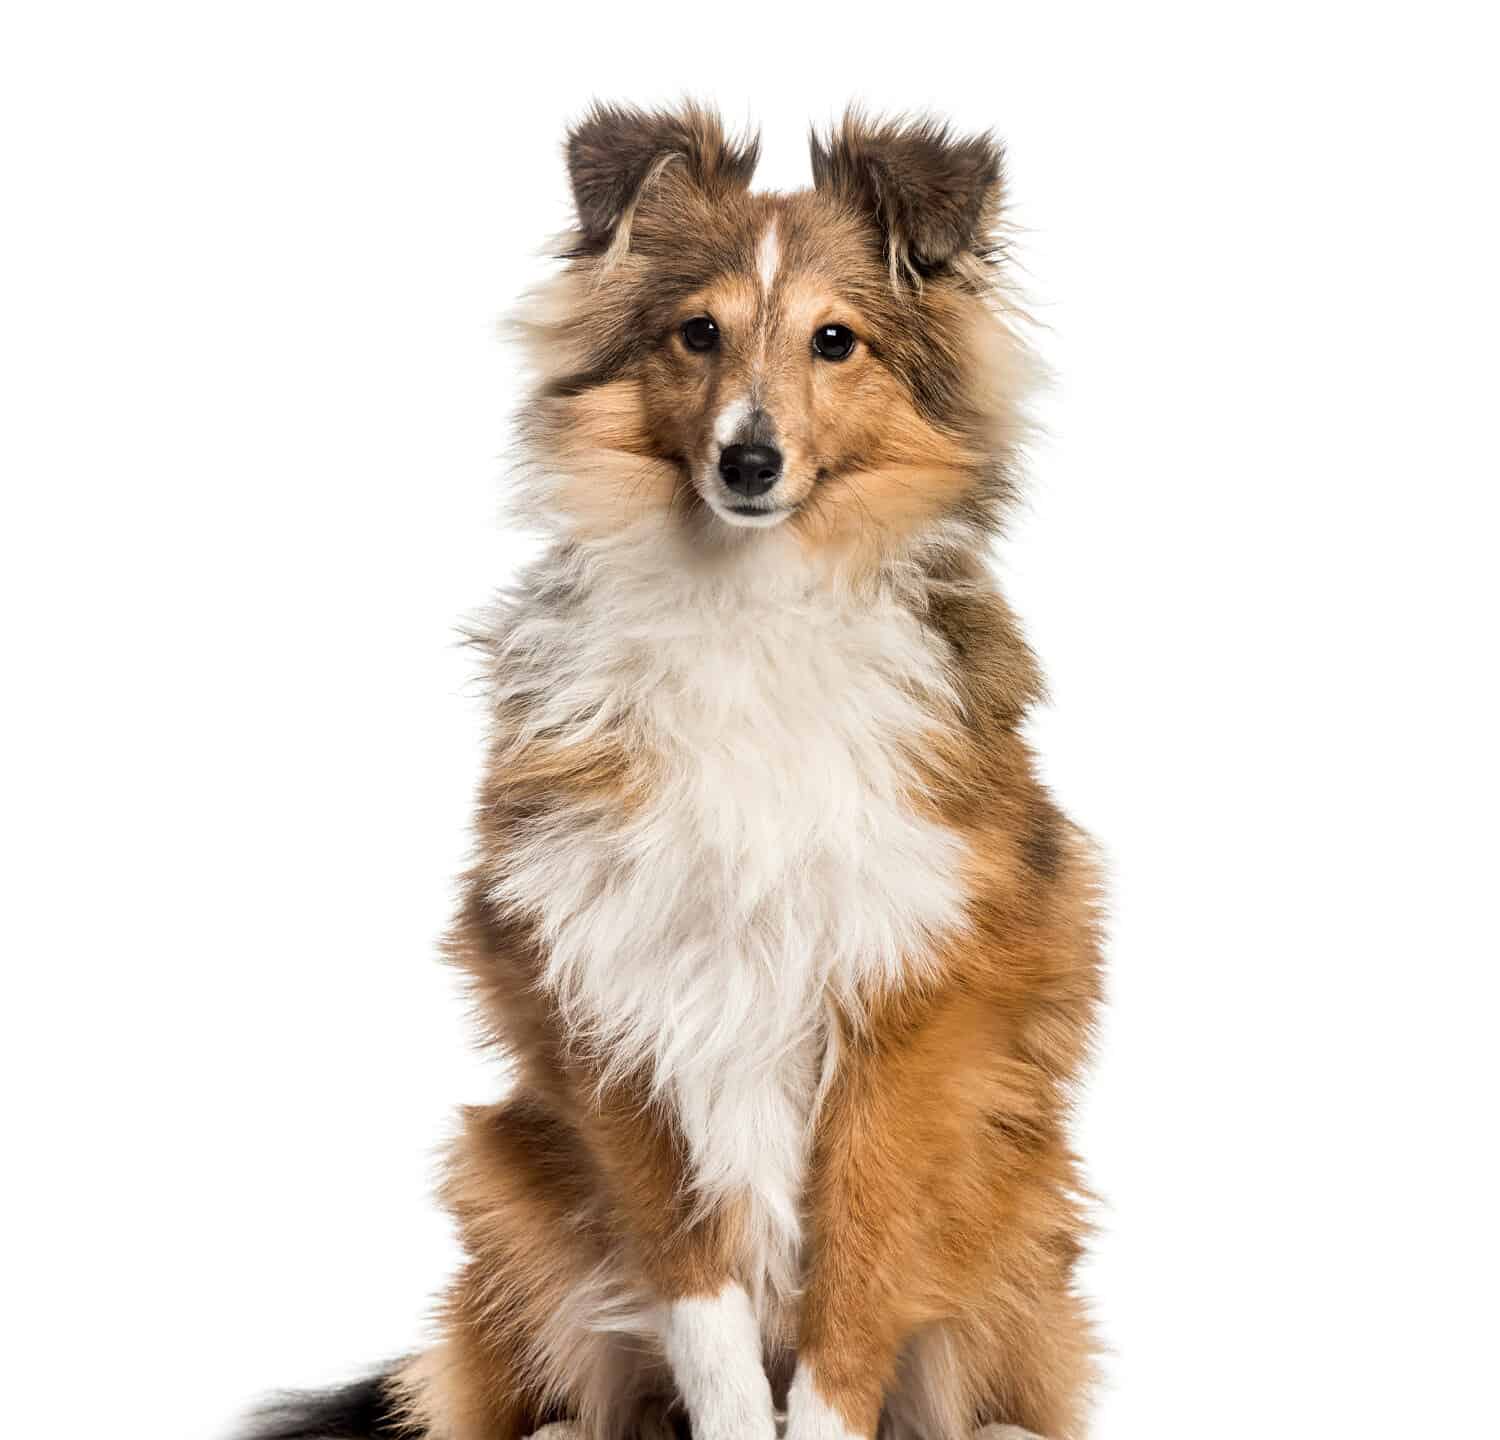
(773, 863)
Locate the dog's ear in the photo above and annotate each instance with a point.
(614, 149)
(935, 196)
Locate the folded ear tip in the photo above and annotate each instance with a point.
(613, 147)
(934, 192)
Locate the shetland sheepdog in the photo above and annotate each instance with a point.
(795, 959)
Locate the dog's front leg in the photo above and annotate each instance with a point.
(937, 1201)
(713, 1345)
(865, 1217)
(885, 1159)
(708, 1325)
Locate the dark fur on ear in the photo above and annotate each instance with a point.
(613, 149)
(934, 195)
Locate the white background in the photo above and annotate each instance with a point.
(254, 415)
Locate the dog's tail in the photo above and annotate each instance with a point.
(365, 1410)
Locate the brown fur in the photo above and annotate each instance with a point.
(943, 1206)
(913, 425)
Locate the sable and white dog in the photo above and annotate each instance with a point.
(795, 958)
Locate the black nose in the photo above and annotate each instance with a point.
(750, 469)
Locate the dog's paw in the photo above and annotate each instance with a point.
(1004, 1432)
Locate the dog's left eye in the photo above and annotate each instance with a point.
(700, 333)
(833, 342)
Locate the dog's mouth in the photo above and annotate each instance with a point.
(762, 514)
(752, 517)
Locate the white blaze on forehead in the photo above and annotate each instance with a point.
(768, 257)
(728, 421)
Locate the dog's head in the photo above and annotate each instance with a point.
(833, 362)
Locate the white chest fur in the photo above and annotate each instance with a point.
(775, 865)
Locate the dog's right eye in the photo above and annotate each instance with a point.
(700, 333)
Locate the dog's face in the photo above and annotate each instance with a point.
(765, 382)
(829, 360)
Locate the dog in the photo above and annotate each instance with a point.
(796, 961)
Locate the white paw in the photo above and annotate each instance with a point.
(809, 1416)
(713, 1346)
(559, 1430)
